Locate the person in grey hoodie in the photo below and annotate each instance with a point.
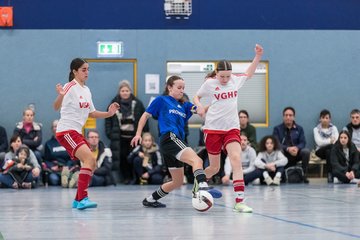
(270, 160)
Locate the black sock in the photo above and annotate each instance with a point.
(159, 194)
(200, 176)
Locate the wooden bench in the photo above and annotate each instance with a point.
(321, 163)
(316, 161)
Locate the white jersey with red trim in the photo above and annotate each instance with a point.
(222, 114)
(75, 108)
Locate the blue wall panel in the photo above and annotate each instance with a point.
(309, 70)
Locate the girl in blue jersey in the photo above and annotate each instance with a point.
(172, 114)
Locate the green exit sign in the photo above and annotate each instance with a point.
(110, 49)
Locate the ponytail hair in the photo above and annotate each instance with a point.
(222, 65)
(75, 64)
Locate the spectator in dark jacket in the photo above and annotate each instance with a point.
(292, 139)
(147, 161)
(354, 127)
(121, 128)
(30, 132)
(21, 169)
(102, 174)
(55, 158)
(5, 179)
(3, 145)
(344, 158)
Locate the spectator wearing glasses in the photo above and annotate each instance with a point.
(102, 173)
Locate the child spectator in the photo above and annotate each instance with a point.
(147, 161)
(5, 179)
(270, 160)
(21, 169)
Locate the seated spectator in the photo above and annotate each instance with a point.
(30, 133)
(147, 161)
(354, 127)
(325, 135)
(248, 129)
(344, 158)
(21, 168)
(3, 146)
(5, 179)
(248, 155)
(292, 141)
(102, 174)
(55, 158)
(270, 160)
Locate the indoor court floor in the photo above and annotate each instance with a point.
(292, 211)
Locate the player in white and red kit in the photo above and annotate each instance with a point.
(75, 102)
(222, 126)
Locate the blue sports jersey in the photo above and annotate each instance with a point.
(171, 114)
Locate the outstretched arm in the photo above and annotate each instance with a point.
(258, 53)
(137, 139)
(59, 98)
(112, 110)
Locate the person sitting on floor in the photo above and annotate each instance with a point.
(270, 160)
(102, 174)
(147, 161)
(21, 169)
(248, 155)
(344, 158)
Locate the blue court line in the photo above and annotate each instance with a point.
(308, 225)
(323, 198)
(287, 221)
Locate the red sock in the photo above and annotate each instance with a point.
(83, 183)
(239, 188)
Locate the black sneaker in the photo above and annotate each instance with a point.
(155, 204)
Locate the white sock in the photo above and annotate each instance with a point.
(203, 184)
(150, 198)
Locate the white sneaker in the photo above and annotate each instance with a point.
(268, 180)
(336, 180)
(256, 182)
(276, 181)
(355, 181)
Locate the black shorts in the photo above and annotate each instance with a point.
(170, 146)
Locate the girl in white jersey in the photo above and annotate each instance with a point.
(222, 127)
(75, 104)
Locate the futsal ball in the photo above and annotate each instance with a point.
(202, 201)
